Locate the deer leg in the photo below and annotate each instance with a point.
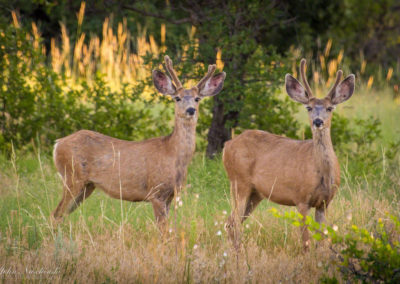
(320, 214)
(84, 193)
(252, 203)
(303, 210)
(241, 196)
(161, 209)
(73, 194)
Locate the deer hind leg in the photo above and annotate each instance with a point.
(84, 193)
(320, 214)
(161, 209)
(303, 210)
(252, 203)
(74, 192)
(242, 207)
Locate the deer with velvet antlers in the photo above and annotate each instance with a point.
(301, 173)
(150, 170)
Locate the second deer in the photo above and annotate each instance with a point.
(151, 170)
(301, 173)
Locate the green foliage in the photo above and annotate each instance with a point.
(36, 104)
(365, 255)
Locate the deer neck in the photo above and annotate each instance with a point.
(183, 140)
(324, 157)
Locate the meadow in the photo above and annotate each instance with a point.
(106, 240)
(111, 241)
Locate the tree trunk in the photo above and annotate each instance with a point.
(218, 134)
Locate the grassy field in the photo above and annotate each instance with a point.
(106, 240)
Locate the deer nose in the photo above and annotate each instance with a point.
(191, 111)
(318, 122)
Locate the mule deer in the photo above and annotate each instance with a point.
(150, 170)
(290, 172)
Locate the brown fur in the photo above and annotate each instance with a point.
(290, 172)
(150, 170)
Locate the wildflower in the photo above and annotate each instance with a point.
(180, 203)
(224, 212)
(170, 231)
(219, 233)
(197, 196)
(247, 226)
(225, 254)
(335, 227)
(325, 231)
(195, 246)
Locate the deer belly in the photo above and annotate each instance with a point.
(128, 188)
(276, 192)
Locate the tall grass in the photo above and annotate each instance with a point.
(97, 243)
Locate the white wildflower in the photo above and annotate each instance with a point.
(219, 233)
(335, 227)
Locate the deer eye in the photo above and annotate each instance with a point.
(309, 108)
(197, 99)
(329, 109)
(177, 99)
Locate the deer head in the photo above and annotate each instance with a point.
(319, 110)
(187, 100)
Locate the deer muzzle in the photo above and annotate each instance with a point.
(191, 111)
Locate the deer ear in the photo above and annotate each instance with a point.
(344, 91)
(295, 90)
(163, 83)
(213, 86)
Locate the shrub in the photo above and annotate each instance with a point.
(36, 104)
(363, 255)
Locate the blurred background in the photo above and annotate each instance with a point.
(68, 65)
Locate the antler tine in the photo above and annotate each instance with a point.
(172, 73)
(338, 78)
(304, 78)
(210, 72)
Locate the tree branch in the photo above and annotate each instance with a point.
(158, 16)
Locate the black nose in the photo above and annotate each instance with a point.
(191, 111)
(318, 122)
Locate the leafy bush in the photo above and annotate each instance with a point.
(364, 255)
(36, 104)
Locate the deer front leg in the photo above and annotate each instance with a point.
(303, 210)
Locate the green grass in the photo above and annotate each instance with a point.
(99, 230)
